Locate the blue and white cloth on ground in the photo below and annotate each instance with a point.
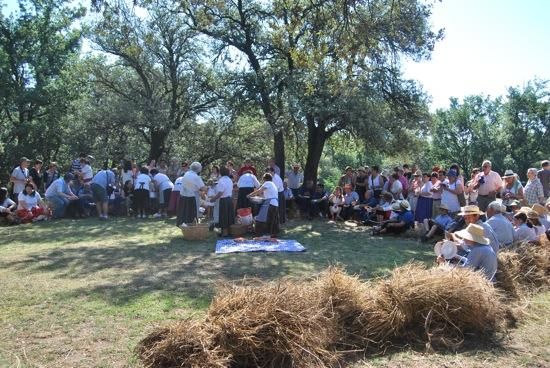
(231, 246)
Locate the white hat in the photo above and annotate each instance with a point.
(196, 167)
(446, 248)
(473, 232)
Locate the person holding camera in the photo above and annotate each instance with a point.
(102, 186)
(488, 184)
(20, 177)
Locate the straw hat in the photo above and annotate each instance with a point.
(405, 205)
(470, 210)
(533, 215)
(396, 206)
(525, 209)
(399, 205)
(418, 173)
(539, 208)
(474, 233)
(508, 174)
(446, 248)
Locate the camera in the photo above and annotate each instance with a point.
(481, 180)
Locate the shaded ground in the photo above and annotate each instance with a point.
(82, 293)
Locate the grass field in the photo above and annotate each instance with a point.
(82, 293)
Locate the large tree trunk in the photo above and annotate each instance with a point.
(279, 150)
(158, 144)
(316, 138)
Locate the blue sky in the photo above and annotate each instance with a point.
(489, 45)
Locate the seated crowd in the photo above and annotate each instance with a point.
(435, 202)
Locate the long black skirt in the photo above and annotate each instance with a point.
(271, 226)
(187, 210)
(227, 213)
(242, 200)
(282, 208)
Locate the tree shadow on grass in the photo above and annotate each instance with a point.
(127, 269)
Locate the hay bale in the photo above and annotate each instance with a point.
(185, 344)
(281, 324)
(508, 274)
(435, 307)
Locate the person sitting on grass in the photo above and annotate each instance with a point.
(401, 223)
(439, 225)
(7, 207)
(30, 207)
(336, 201)
(319, 202)
(379, 213)
(351, 199)
(523, 228)
(481, 256)
(60, 195)
(502, 227)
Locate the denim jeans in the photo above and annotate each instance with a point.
(60, 205)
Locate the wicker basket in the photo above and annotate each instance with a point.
(195, 232)
(238, 229)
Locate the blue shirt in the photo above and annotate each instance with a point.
(444, 221)
(104, 177)
(350, 197)
(407, 217)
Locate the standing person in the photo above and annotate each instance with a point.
(20, 177)
(451, 188)
(295, 179)
(247, 183)
(396, 187)
(173, 205)
(348, 178)
(376, 182)
(247, 166)
(50, 175)
(215, 173)
(281, 193)
(162, 167)
(30, 207)
(436, 179)
(469, 189)
(224, 192)
(488, 184)
(165, 186)
(404, 183)
(511, 188)
(544, 176)
(534, 190)
(232, 172)
(268, 217)
(60, 195)
(35, 174)
(414, 189)
(271, 164)
(173, 169)
(424, 204)
(142, 185)
(86, 172)
(75, 165)
(361, 184)
(191, 185)
(102, 184)
(183, 169)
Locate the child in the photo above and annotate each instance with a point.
(7, 207)
(336, 201)
(210, 192)
(439, 225)
(141, 192)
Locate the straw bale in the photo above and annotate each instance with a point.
(508, 274)
(435, 307)
(184, 344)
(276, 324)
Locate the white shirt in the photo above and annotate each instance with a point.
(163, 182)
(450, 199)
(87, 173)
(177, 184)
(278, 183)
(30, 201)
(375, 183)
(295, 180)
(225, 186)
(502, 228)
(59, 186)
(191, 183)
(425, 191)
(248, 180)
(6, 204)
(142, 182)
(270, 192)
(21, 175)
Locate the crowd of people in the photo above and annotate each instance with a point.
(437, 202)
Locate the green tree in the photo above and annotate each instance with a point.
(38, 44)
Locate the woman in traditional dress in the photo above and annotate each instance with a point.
(191, 185)
(424, 202)
(268, 217)
(225, 216)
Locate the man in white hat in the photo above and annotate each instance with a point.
(502, 227)
(403, 222)
(481, 256)
(472, 215)
(488, 184)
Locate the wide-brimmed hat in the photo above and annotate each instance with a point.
(405, 205)
(24, 159)
(470, 210)
(514, 203)
(525, 209)
(396, 206)
(362, 169)
(533, 215)
(508, 174)
(418, 173)
(474, 233)
(539, 208)
(445, 248)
